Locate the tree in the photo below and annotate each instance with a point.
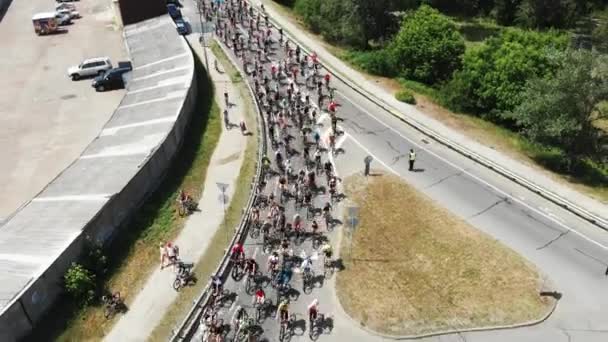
(600, 35)
(494, 74)
(428, 47)
(562, 110)
(80, 284)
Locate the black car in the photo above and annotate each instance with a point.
(111, 79)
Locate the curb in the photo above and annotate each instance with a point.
(449, 332)
(441, 332)
(547, 194)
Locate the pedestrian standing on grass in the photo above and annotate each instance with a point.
(412, 159)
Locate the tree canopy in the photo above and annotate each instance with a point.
(428, 47)
(562, 110)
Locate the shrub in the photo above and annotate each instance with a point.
(80, 284)
(428, 47)
(405, 96)
(374, 62)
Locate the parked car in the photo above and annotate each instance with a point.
(174, 11)
(65, 5)
(182, 26)
(73, 14)
(111, 79)
(45, 23)
(90, 67)
(63, 19)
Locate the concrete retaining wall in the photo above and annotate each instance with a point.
(39, 293)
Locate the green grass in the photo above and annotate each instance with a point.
(405, 96)
(134, 253)
(214, 253)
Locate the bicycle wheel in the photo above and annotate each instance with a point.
(108, 311)
(177, 284)
(254, 231)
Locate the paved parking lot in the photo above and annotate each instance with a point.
(46, 120)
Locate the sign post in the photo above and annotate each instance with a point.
(223, 198)
(353, 219)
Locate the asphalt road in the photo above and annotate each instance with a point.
(570, 252)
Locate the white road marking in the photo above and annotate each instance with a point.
(115, 154)
(164, 83)
(93, 197)
(465, 172)
(115, 129)
(169, 96)
(162, 61)
(159, 73)
(29, 259)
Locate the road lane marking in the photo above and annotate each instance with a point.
(115, 129)
(169, 96)
(162, 60)
(75, 198)
(159, 73)
(467, 173)
(164, 83)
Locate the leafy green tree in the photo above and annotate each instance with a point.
(600, 35)
(79, 282)
(428, 47)
(494, 74)
(562, 110)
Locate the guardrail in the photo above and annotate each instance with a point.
(188, 326)
(547, 194)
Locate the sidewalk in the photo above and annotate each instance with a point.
(157, 295)
(531, 174)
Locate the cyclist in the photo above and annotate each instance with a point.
(313, 311)
(306, 265)
(255, 215)
(283, 311)
(238, 252)
(216, 285)
(273, 262)
(328, 166)
(318, 158)
(266, 162)
(333, 182)
(332, 141)
(317, 137)
(326, 208)
(327, 251)
(297, 222)
(251, 267)
(314, 226)
(260, 297)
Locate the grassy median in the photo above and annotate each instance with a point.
(134, 254)
(214, 253)
(415, 268)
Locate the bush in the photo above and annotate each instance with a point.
(374, 62)
(428, 47)
(80, 284)
(405, 96)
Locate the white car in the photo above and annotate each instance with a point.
(73, 14)
(65, 5)
(62, 18)
(90, 67)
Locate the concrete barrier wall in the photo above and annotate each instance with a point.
(18, 318)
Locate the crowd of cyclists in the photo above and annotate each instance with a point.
(300, 157)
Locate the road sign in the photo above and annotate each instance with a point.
(222, 186)
(368, 160)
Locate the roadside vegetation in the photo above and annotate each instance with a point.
(133, 254)
(415, 268)
(491, 60)
(214, 253)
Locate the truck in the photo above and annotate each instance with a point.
(45, 23)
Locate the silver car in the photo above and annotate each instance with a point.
(90, 67)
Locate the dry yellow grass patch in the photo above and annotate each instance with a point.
(416, 268)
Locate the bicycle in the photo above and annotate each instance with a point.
(316, 325)
(113, 304)
(307, 279)
(286, 330)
